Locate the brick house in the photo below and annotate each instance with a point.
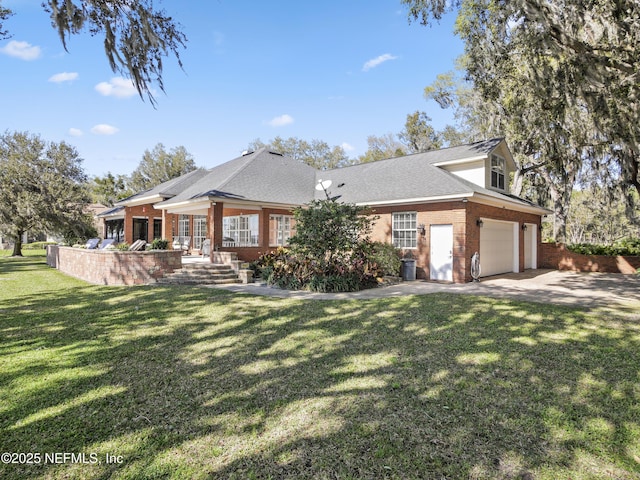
(439, 207)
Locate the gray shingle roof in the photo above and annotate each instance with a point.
(261, 176)
(409, 177)
(169, 188)
(268, 177)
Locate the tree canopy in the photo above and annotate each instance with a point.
(42, 188)
(158, 166)
(316, 153)
(137, 36)
(559, 79)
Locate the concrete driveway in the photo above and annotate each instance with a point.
(544, 286)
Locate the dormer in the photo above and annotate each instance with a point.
(490, 168)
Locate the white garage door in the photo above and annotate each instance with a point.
(498, 247)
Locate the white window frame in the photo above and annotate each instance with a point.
(183, 226)
(498, 172)
(241, 231)
(404, 230)
(199, 230)
(281, 228)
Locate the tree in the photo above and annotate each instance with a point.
(108, 189)
(42, 188)
(159, 166)
(418, 134)
(317, 153)
(136, 35)
(577, 55)
(385, 146)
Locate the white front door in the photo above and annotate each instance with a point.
(530, 245)
(441, 253)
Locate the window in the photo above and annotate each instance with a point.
(183, 226)
(404, 234)
(199, 230)
(497, 172)
(157, 228)
(240, 231)
(281, 228)
(140, 229)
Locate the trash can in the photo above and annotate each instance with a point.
(408, 269)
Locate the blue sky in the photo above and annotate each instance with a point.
(251, 70)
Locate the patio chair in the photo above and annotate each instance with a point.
(137, 245)
(186, 245)
(206, 248)
(177, 243)
(107, 242)
(92, 243)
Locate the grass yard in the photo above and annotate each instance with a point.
(166, 382)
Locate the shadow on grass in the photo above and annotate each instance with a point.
(198, 383)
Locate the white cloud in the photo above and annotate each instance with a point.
(347, 147)
(75, 132)
(280, 121)
(21, 50)
(63, 77)
(104, 129)
(374, 62)
(117, 87)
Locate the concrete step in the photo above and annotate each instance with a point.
(193, 281)
(201, 274)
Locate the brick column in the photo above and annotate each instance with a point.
(128, 225)
(214, 226)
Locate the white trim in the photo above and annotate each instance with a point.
(140, 201)
(462, 160)
(408, 201)
(187, 204)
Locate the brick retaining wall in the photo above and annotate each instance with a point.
(556, 256)
(109, 267)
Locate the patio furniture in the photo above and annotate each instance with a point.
(182, 243)
(138, 245)
(107, 242)
(92, 243)
(205, 250)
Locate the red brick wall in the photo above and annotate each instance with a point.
(113, 267)
(248, 254)
(466, 232)
(139, 211)
(556, 256)
(477, 210)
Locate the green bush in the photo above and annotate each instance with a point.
(340, 272)
(123, 247)
(159, 244)
(387, 257)
(330, 252)
(626, 247)
(37, 245)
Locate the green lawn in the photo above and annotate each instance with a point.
(200, 383)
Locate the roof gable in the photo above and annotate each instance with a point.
(166, 189)
(261, 176)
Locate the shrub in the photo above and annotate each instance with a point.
(37, 245)
(330, 252)
(626, 247)
(123, 247)
(159, 244)
(387, 257)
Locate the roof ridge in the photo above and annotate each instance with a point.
(420, 153)
(245, 165)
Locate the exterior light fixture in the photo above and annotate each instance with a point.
(421, 229)
(524, 227)
(479, 222)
